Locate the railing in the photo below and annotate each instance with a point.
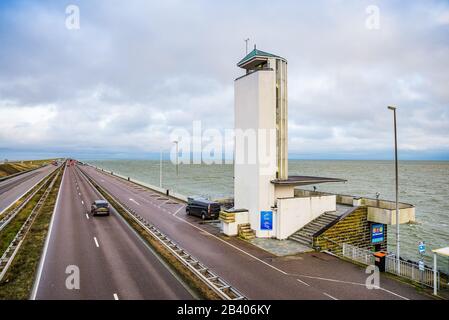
(411, 271)
(357, 254)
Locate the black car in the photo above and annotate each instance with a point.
(204, 208)
(99, 207)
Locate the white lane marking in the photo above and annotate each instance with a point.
(87, 216)
(82, 201)
(266, 263)
(352, 283)
(231, 245)
(47, 241)
(96, 242)
(328, 295)
(134, 201)
(115, 296)
(79, 194)
(304, 283)
(182, 207)
(10, 205)
(165, 202)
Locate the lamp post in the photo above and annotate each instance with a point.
(160, 169)
(177, 161)
(397, 187)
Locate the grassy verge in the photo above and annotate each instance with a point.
(19, 279)
(9, 232)
(188, 276)
(10, 168)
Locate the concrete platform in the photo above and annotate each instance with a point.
(280, 247)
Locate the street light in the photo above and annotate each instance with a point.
(177, 162)
(160, 170)
(397, 188)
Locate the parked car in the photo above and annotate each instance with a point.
(201, 207)
(99, 207)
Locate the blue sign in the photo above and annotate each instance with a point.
(266, 220)
(377, 233)
(422, 247)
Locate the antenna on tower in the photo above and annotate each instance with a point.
(246, 43)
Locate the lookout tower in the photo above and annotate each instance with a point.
(261, 150)
(261, 180)
(258, 60)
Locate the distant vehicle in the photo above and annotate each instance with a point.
(99, 207)
(201, 207)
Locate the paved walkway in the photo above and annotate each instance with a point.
(280, 247)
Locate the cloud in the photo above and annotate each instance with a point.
(134, 72)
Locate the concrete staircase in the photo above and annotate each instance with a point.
(305, 235)
(245, 231)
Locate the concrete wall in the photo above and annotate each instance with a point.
(295, 213)
(231, 229)
(281, 191)
(255, 102)
(388, 216)
(354, 229)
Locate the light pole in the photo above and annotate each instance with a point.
(246, 42)
(177, 162)
(160, 170)
(397, 187)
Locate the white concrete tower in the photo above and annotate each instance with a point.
(261, 114)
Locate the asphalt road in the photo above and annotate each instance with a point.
(253, 271)
(113, 262)
(14, 188)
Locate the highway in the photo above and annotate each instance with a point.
(14, 188)
(113, 261)
(253, 271)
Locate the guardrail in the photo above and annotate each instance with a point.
(357, 254)
(14, 246)
(411, 271)
(213, 281)
(166, 192)
(19, 173)
(7, 218)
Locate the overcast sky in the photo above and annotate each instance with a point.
(135, 70)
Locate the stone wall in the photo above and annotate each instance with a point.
(353, 229)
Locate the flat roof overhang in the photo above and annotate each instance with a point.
(305, 180)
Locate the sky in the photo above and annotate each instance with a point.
(134, 71)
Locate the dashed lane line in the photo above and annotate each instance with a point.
(328, 295)
(115, 296)
(304, 283)
(96, 242)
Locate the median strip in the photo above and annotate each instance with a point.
(18, 281)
